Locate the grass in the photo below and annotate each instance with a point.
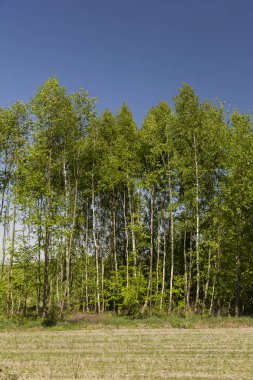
(105, 347)
(127, 353)
(93, 321)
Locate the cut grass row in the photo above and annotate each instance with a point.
(127, 353)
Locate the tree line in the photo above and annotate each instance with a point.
(98, 215)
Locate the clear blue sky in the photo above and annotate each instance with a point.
(138, 51)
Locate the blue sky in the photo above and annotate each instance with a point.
(138, 51)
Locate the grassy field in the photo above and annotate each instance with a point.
(109, 352)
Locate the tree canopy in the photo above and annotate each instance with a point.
(97, 214)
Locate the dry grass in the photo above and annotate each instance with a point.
(143, 353)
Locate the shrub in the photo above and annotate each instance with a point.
(51, 317)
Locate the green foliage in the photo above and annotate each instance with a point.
(97, 215)
(51, 317)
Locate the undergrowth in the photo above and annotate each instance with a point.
(93, 321)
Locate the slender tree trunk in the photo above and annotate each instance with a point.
(6, 229)
(9, 294)
(189, 276)
(69, 249)
(218, 270)
(208, 277)
(46, 271)
(114, 251)
(47, 236)
(5, 233)
(114, 241)
(132, 217)
(102, 285)
(171, 245)
(4, 187)
(98, 306)
(67, 253)
(212, 297)
(67, 241)
(164, 268)
(87, 260)
(158, 252)
(185, 269)
(39, 237)
(238, 280)
(126, 240)
(151, 250)
(197, 224)
(86, 283)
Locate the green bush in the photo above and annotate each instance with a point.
(51, 318)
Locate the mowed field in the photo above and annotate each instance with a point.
(127, 353)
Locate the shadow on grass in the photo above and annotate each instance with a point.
(7, 374)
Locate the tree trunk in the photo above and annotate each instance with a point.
(151, 250)
(114, 241)
(87, 262)
(218, 273)
(126, 240)
(208, 278)
(98, 306)
(189, 276)
(212, 297)
(164, 267)
(6, 227)
(171, 245)
(238, 281)
(185, 270)
(102, 285)
(47, 236)
(39, 271)
(69, 247)
(132, 218)
(197, 224)
(9, 303)
(158, 252)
